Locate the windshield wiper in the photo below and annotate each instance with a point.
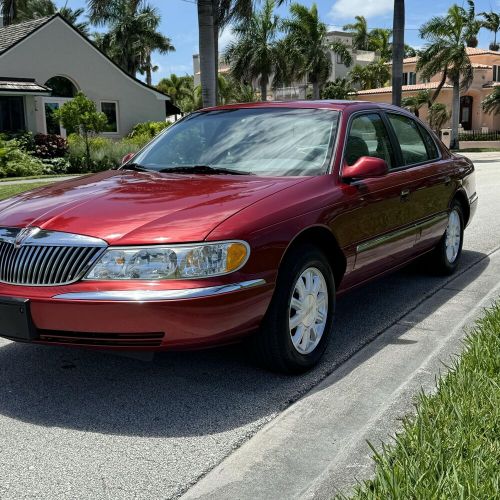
(136, 167)
(202, 169)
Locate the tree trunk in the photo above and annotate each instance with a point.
(216, 54)
(398, 50)
(455, 114)
(315, 90)
(208, 73)
(439, 87)
(263, 88)
(149, 68)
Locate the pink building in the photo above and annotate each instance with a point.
(486, 65)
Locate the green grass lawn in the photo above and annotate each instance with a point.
(33, 177)
(13, 189)
(451, 448)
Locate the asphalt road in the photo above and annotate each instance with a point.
(92, 425)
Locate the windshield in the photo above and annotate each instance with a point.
(259, 141)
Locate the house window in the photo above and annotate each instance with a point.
(110, 109)
(12, 114)
(339, 59)
(496, 73)
(409, 78)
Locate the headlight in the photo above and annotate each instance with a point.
(172, 262)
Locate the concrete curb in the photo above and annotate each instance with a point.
(318, 446)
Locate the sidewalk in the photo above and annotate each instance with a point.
(318, 446)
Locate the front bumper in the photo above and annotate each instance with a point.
(144, 319)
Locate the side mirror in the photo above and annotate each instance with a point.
(127, 157)
(365, 167)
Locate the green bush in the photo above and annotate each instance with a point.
(56, 166)
(104, 153)
(149, 129)
(15, 162)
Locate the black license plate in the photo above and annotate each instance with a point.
(15, 319)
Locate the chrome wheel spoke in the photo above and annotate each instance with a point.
(308, 311)
(453, 236)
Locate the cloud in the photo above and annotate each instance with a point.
(347, 9)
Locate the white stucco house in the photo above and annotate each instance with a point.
(44, 62)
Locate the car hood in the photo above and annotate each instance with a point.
(124, 207)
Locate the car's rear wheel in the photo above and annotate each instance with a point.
(298, 324)
(447, 254)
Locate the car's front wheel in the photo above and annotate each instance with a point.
(298, 324)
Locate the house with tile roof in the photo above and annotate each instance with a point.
(486, 64)
(46, 61)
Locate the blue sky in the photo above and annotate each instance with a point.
(179, 23)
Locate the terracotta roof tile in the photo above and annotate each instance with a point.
(406, 88)
(470, 51)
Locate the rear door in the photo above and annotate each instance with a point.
(377, 228)
(427, 178)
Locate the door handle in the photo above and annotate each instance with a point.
(404, 194)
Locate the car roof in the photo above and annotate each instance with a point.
(338, 105)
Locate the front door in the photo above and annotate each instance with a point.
(378, 228)
(52, 126)
(466, 112)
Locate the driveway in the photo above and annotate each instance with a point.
(76, 423)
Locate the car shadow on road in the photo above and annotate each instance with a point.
(193, 393)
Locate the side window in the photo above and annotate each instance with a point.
(432, 150)
(412, 145)
(368, 137)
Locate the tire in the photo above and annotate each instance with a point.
(446, 255)
(277, 344)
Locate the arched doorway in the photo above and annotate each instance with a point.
(63, 90)
(466, 112)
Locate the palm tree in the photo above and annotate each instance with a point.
(361, 38)
(307, 39)
(15, 11)
(492, 23)
(491, 103)
(380, 41)
(373, 75)
(10, 10)
(445, 53)
(398, 50)
(253, 55)
(473, 25)
(341, 88)
(132, 32)
(410, 51)
(177, 87)
(438, 116)
(414, 102)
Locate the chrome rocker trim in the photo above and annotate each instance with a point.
(157, 295)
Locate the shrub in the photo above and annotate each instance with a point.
(15, 162)
(48, 146)
(56, 166)
(104, 153)
(81, 114)
(25, 140)
(139, 140)
(149, 129)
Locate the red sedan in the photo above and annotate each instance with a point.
(238, 221)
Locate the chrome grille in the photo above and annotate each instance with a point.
(36, 257)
